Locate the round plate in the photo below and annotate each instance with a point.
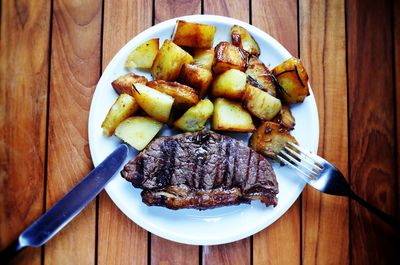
(209, 227)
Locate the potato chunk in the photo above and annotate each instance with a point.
(204, 58)
(229, 84)
(123, 84)
(270, 138)
(228, 56)
(293, 80)
(285, 118)
(193, 35)
(184, 96)
(242, 39)
(143, 56)
(138, 131)
(123, 107)
(260, 103)
(169, 61)
(155, 103)
(231, 116)
(196, 77)
(195, 118)
(257, 71)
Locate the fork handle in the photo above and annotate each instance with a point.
(383, 216)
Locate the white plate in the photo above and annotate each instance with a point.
(210, 227)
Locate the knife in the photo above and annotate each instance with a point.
(58, 216)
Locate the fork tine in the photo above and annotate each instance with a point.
(317, 160)
(303, 175)
(299, 165)
(306, 161)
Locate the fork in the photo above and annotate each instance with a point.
(325, 177)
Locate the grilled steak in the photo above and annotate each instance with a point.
(201, 170)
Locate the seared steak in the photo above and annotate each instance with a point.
(201, 170)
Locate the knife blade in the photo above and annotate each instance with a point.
(46, 226)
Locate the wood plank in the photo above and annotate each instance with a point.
(75, 62)
(120, 240)
(236, 252)
(167, 9)
(372, 138)
(280, 242)
(325, 219)
(396, 32)
(24, 66)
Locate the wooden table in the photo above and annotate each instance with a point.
(52, 55)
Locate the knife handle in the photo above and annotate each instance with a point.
(10, 252)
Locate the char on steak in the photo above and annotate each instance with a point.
(201, 170)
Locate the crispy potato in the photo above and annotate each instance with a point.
(138, 131)
(270, 138)
(155, 103)
(204, 58)
(260, 103)
(293, 80)
(143, 56)
(123, 107)
(242, 39)
(184, 96)
(123, 84)
(228, 56)
(196, 77)
(195, 118)
(231, 116)
(257, 71)
(229, 84)
(169, 61)
(193, 35)
(285, 118)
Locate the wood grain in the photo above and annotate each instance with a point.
(396, 32)
(372, 144)
(280, 242)
(167, 9)
(75, 61)
(24, 66)
(236, 252)
(325, 218)
(121, 241)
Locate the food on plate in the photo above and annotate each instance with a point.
(184, 96)
(292, 79)
(195, 35)
(270, 138)
(138, 131)
(123, 107)
(155, 103)
(242, 38)
(285, 118)
(201, 170)
(169, 61)
(123, 84)
(260, 103)
(228, 56)
(195, 118)
(260, 74)
(204, 58)
(231, 116)
(197, 77)
(143, 56)
(229, 84)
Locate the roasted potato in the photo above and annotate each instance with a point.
(228, 56)
(196, 77)
(193, 35)
(123, 84)
(293, 80)
(169, 61)
(155, 103)
(195, 118)
(123, 107)
(143, 56)
(259, 73)
(242, 39)
(138, 131)
(229, 84)
(204, 58)
(270, 138)
(231, 116)
(285, 118)
(184, 96)
(260, 103)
